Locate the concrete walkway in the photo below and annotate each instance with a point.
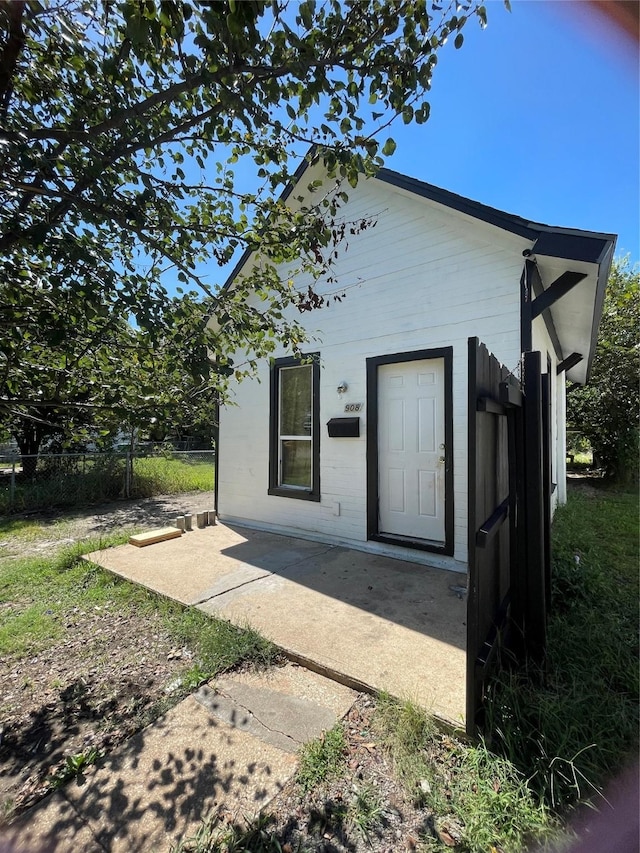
(228, 748)
(367, 621)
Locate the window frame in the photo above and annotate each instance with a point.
(312, 494)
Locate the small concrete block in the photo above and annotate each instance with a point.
(201, 519)
(152, 536)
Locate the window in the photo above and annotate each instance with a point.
(294, 464)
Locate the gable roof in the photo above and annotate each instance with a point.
(550, 245)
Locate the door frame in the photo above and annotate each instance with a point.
(373, 529)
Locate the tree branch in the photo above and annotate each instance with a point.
(11, 11)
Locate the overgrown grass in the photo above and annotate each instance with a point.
(162, 476)
(479, 801)
(572, 726)
(39, 590)
(102, 478)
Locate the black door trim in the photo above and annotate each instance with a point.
(373, 530)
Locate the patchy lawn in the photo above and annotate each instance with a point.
(87, 659)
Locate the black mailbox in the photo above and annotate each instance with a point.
(344, 427)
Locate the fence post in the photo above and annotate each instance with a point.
(535, 615)
(12, 488)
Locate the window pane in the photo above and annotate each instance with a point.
(295, 457)
(295, 400)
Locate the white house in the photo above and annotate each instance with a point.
(365, 444)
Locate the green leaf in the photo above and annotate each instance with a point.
(389, 147)
(459, 41)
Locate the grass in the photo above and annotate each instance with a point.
(162, 476)
(366, 810)
(574, 725)
(29, 529)
(41, 589)
(216, 836)
(479, 801)
(556, 735)
(101, 478)
(321, 758)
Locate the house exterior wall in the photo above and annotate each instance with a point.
(424, 277)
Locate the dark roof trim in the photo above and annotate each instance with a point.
(604, 267)
(571, 247)
(567, 243)
(506, 221)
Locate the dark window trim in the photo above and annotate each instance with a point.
(373, 530)
(274, 488)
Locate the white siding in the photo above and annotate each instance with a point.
(423, 277)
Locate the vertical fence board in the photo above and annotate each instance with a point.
(546, 478)
(509, 563)
(489, 541)
(535, 604)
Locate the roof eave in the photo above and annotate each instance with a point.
(604, 266)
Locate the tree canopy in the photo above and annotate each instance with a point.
(121, 125)
(606, 410)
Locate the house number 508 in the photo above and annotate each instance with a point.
(353, 407)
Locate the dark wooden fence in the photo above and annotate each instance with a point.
(509, 517)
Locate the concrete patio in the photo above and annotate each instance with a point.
(364, 620)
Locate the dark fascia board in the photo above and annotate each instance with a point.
(506, 221)
(604, 268)
(572, 246)
(566, 243)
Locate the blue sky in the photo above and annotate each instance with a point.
(537, 115)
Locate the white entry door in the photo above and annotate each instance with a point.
(411, 452)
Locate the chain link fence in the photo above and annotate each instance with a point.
(49, 481)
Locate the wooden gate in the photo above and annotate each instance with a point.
(509, 518)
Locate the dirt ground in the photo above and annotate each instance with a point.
(113, 672)
(364, 809)
(106, 678)
(63, 527)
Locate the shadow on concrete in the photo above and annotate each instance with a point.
(368, 621)
(157, 788)
(414, 596)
